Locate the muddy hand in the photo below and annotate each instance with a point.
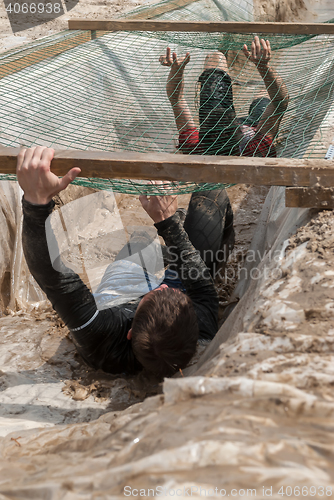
(159, 207)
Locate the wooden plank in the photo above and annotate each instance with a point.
(177, 167)
(41, 54)
(158, 10)
(201, 26)
(303, 197)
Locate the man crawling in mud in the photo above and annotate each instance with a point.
(159, 330)
(220, 131)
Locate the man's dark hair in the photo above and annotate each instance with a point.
(165, 332)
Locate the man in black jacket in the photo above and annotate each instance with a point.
(158, 331)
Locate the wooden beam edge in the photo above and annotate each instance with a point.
(201, 26)
(186, 168)
(43, 53)
(311, 197)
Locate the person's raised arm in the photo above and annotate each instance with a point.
(39, 185)
(175, 89)
(99, 336)
(260, 55)
(191, 269)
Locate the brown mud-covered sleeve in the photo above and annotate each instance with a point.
(194, 275)
(102, 343)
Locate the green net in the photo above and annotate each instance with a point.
(109, 93)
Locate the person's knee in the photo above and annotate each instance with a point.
(216, 60)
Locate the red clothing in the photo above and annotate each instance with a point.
(189, 142)
(258, 145)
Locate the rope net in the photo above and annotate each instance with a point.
(109, 93)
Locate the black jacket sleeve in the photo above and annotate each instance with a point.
(194, 275)
(102, 343)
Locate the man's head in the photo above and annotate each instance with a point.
(165, 331)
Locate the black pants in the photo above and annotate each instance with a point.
(219, 132)
(209, 224)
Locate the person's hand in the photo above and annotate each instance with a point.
(159, 208)
(260, 53)
(35, 177)
(172, 61)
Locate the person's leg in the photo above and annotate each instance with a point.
(209, 221)
(257, 110)
(209, 224)
(219, 132)
(139, 240)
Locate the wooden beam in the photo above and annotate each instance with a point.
(303, 197)
(156, 10)
(202, 26)
(35, 56)
(177, 167)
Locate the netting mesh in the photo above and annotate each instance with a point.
(109, 93)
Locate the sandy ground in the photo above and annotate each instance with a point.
(87, 9)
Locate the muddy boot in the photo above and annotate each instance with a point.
(209, 224)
